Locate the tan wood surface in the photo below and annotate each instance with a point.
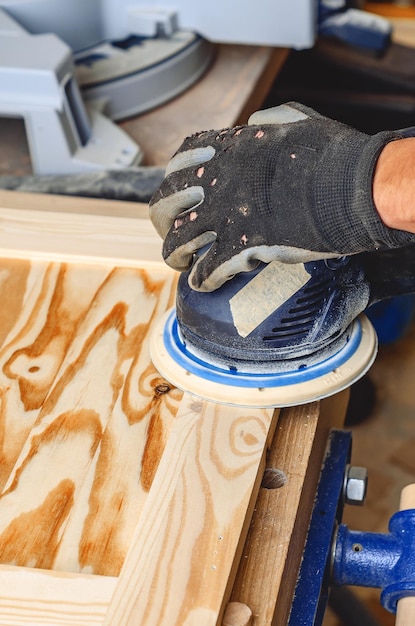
(270, 563)
(67, 204)
(71, 290)
(234, 87)
(101, 457)
(50, 598)
(199, 502)
(404, 30)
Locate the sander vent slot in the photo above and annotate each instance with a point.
(300, 318)
(309, 306)
(288, 331)
(316, 290)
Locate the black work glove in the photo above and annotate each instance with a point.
(292, 186)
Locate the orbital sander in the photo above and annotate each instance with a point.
(282, 334)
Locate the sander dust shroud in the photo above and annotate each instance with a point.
(281, 335)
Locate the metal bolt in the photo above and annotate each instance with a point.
(355, 485)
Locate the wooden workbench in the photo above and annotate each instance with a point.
(44, 239)
(234, 87)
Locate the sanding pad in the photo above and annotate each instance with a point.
(189, 372)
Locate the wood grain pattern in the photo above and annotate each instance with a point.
(79, 238)
(272, 553)
(86, 452)
(83, 425)
(29, 596)
(198, 505)
(102, 458)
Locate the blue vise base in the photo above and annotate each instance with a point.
(382, 560)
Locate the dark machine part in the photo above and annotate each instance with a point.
(308, 327)
(131, 184)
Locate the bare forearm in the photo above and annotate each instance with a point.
(394, 185)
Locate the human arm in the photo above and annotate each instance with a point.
(394, 185)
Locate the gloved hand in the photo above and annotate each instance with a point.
(292, 186)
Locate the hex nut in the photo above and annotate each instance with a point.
(355, 485)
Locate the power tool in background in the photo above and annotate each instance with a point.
(70, 68)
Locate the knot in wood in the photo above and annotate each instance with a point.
(161, 389)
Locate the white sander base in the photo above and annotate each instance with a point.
(187, 371)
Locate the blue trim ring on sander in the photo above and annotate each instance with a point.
(282, 335)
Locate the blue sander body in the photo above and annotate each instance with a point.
(282, 334)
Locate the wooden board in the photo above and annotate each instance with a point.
(270, 558)
(404, 29)
(273, 551)
(106, 469)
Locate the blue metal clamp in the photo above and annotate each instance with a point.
(385, 561)
(311, 593)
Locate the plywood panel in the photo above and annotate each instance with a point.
(199, 504)
(83, 422)
(101, 457)
(29, 597)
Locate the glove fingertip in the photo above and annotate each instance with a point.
(281, 114)
(191, 157)
(201, 279)
(179, 262)
(204, 286)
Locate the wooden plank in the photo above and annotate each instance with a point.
(272, 553)
(29, 596)
(102, 453)
(181, 562)
(404, 29)
(101, 429)
(67, 204)
(390, 9)
(60, 322)
(79, 238)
